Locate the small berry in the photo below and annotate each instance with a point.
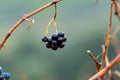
(44, 39)
(54, 47)
(49, 40)
(1, 70)
(54, 42)
(7, 75)
(61, 45)
(1, 77)
(60, 39)
(54, 36)
(48, 45)
(64, 39)
(61, 34)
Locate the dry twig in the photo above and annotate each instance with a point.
(102, 72)
(107, 69)
(98, 65)
(115, 42)
(116, 8)
(108, 37)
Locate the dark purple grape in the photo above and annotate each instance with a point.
(54, 47)
(7, 76)
(64, 39)
(54, 36)
(44, 39)
(60, 39)
(48, 45)
(49, 40)
(61, 45)
(61, 34)
(1, 77)
(54, 42)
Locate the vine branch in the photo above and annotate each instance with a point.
(12, 29)
(102, 72)
(98, 65)
(108, 37)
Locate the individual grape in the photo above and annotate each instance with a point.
(44, 39)
(49, 40)
(54, 36)
(48, 45)
(64, 39)
(60, 39)
(61, 34)
(1, 77)
(54, 47)
(7, 75)
(54, 42)
(61, 45)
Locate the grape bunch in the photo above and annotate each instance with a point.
(55, 41)
(3, 75)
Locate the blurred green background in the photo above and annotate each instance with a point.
(84, 24)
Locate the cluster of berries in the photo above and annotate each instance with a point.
(55, 41)
(4, 76)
